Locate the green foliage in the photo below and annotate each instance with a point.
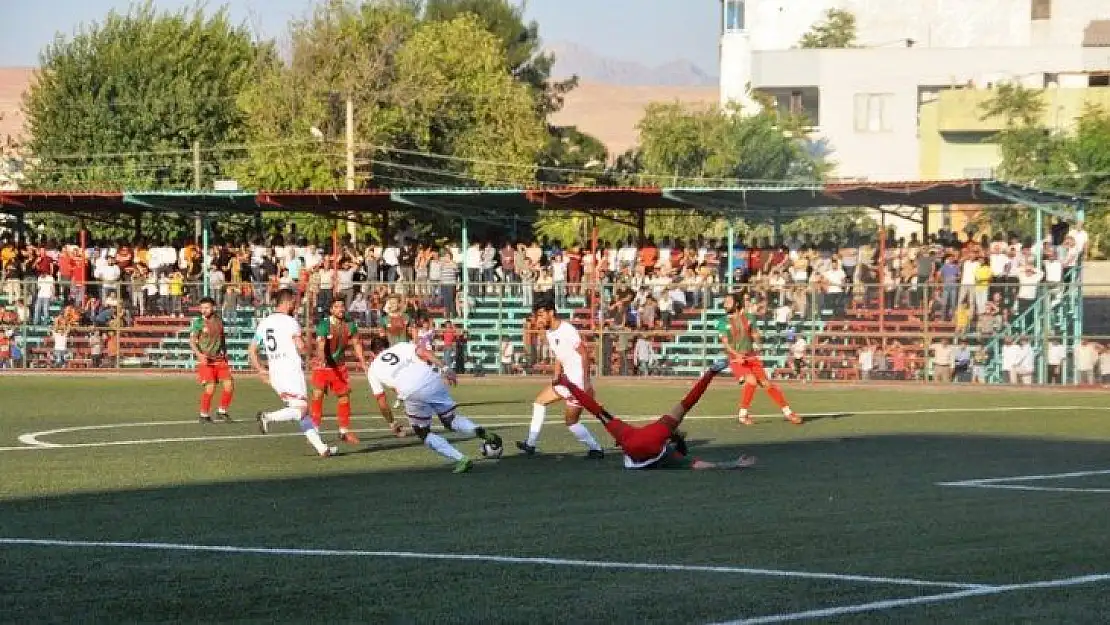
(837, 30)
(121, 103)
(1033, 154)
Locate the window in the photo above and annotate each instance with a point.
(1040, 9)
(734, 15)
(873, 112)
(1098, 80)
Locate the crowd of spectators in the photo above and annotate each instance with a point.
(976, 284)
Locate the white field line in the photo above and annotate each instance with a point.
(1043, 489)
(31, 440)
(542, 561)
(1025, 478)
(889, 604)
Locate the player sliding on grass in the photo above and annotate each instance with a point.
(209, 345)
(329, 372)
(408, 370)
(739, 336)
(279, 335)
(658, 444)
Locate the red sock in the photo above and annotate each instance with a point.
(225, 399)
(776, 396)
(206, 402)
(746, 396)
(700, 386)
(589, 403)
(317, 411)
(343, 414)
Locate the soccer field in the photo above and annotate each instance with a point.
(909, 505)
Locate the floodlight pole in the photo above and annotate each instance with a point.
(352, 225)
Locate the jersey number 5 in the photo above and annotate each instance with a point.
(390, 359)
(271, 340)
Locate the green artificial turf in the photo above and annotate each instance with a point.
(852, 492)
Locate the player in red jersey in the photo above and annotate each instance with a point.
(209, 345)
(739, 336)
(329, 372)
(659, 444)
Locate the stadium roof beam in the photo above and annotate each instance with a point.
(1049, 202)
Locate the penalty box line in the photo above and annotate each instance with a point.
(1017, 482)
(461, 557)
(889, 604)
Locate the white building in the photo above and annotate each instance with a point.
(865, 100)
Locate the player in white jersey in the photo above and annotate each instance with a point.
(408, 370)
(279, 337)
(572, 360)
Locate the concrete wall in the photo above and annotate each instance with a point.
(841, 75)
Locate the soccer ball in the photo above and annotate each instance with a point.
(491, 451)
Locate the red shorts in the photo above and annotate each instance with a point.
(644, 442)
(332, 379)
(213, 371)
(743, 366)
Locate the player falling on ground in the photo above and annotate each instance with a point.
(659, 444)
(408, 370)
(739, 336)
(571, 360)
(209, 344)
(279, 336)
(329, 372)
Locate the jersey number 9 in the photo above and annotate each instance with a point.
(390, 359)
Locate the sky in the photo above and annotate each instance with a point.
(649, 31)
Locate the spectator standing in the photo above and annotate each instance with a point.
(942, 361)
(950, 278)
(61, 344)
(1086, 357)
(1024, 361)
(1030, 279)
(1057, 353)
(44, 298)
(506, 356)
(448, 283)
(866, 361)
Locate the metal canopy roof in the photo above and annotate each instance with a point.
(761, 201)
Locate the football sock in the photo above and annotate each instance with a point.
(442, 447)
(583, 435)
(225, 400)
(582, 397)
(313, 435)
(699, 389)
(316, 409)
(746, 396)
(464, 425)
(539, 412)
(205, 403)
(776, 396)
(343, 415)
(285, 414)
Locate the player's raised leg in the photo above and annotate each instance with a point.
(775, 393)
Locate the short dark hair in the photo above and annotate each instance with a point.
(285, 296)
(207, 300)
(379, 344)
(545, 302)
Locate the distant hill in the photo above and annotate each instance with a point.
(14, 81)
(572, 59)
(611, 112)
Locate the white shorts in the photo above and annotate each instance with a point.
(290, 386)
(579, 380)
(431, 401)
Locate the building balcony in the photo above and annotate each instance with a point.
(961, 110)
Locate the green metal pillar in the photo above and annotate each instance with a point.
(731, 253)
(1076, 293)
(465, 270)
(206, 262)
(20, 229)
(777, 225)
(1042, 317)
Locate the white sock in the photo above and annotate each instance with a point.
(786, 411)
(314, 439)
(463, 425)
(582, 433)
(285, 414)
(443, 447)
(539, 412)
(743, 412)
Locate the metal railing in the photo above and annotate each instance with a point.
(866, 332)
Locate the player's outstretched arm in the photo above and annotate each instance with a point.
(256, 362)
(743, 462)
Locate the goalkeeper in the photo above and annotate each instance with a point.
(659, 444)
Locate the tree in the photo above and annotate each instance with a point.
(837, 30)
(680, 146)
(121, 103)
